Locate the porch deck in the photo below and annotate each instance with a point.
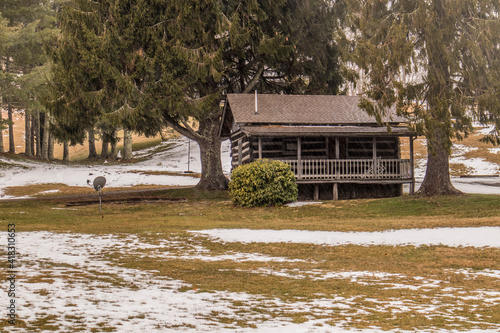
(348, 170)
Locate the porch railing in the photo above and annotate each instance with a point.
(351, 169)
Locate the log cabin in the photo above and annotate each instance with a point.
(335, 149)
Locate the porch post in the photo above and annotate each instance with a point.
(337, 148)
(375, 167)
(299, 158)
(412, 166)
(335, 191)
(337, 157)
(316, 192)
(260, 147)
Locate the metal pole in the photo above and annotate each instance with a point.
(189, 152)
(100, 201)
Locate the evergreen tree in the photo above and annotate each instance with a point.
(438, 61)
(23, 58)
(148, 64)
(7, 37)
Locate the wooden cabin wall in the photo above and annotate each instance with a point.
(388, 147)
(287, 148)
(362, 147)
(245, 149)
(241, 150)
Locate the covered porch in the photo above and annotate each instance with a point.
(340, 156)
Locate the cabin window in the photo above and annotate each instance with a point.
(290, 147)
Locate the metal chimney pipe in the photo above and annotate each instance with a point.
(256, 106)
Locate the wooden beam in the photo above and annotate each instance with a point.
(335, 191)
(337, 148)
(412, 166)
(299, 158)
(260, 147)
(316, 191)
(240, 151)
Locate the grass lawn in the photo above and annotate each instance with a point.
(351, 286)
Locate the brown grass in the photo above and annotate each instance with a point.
(437, 286)
(36, 190)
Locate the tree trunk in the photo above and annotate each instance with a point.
(437, 176)
(38, 133)
(51, 146)
(2, 150)
(212, 176)
(45, 138)
(127, 144)
(92, 150)
(12, 146)
(27, 134)
(32, 135)
(104, 147)
(207, 137)
(66, 151)
(114, 150)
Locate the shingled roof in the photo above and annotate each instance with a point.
(302, 110)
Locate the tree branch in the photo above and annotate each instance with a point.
(254, 81)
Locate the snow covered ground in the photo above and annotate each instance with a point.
(477, 237)
(173, 157)
(68, 279)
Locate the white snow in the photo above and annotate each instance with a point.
(174, 159)
(477, 237)
(484, 130)
(302, 203)
(71, 278)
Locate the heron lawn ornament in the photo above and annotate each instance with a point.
(98, 185)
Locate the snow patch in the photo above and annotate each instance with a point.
(454, 237)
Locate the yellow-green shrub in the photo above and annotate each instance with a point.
(263, 183)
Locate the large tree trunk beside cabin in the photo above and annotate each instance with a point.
(212, 176)
(92, 150)
(127, 144)
(437, 175)
(65, 151)
(27, 134)
(12, 146)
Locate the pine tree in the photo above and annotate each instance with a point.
(148, 64)
(24, 59)
(92, 150)
(438, 61)
(7, 36)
